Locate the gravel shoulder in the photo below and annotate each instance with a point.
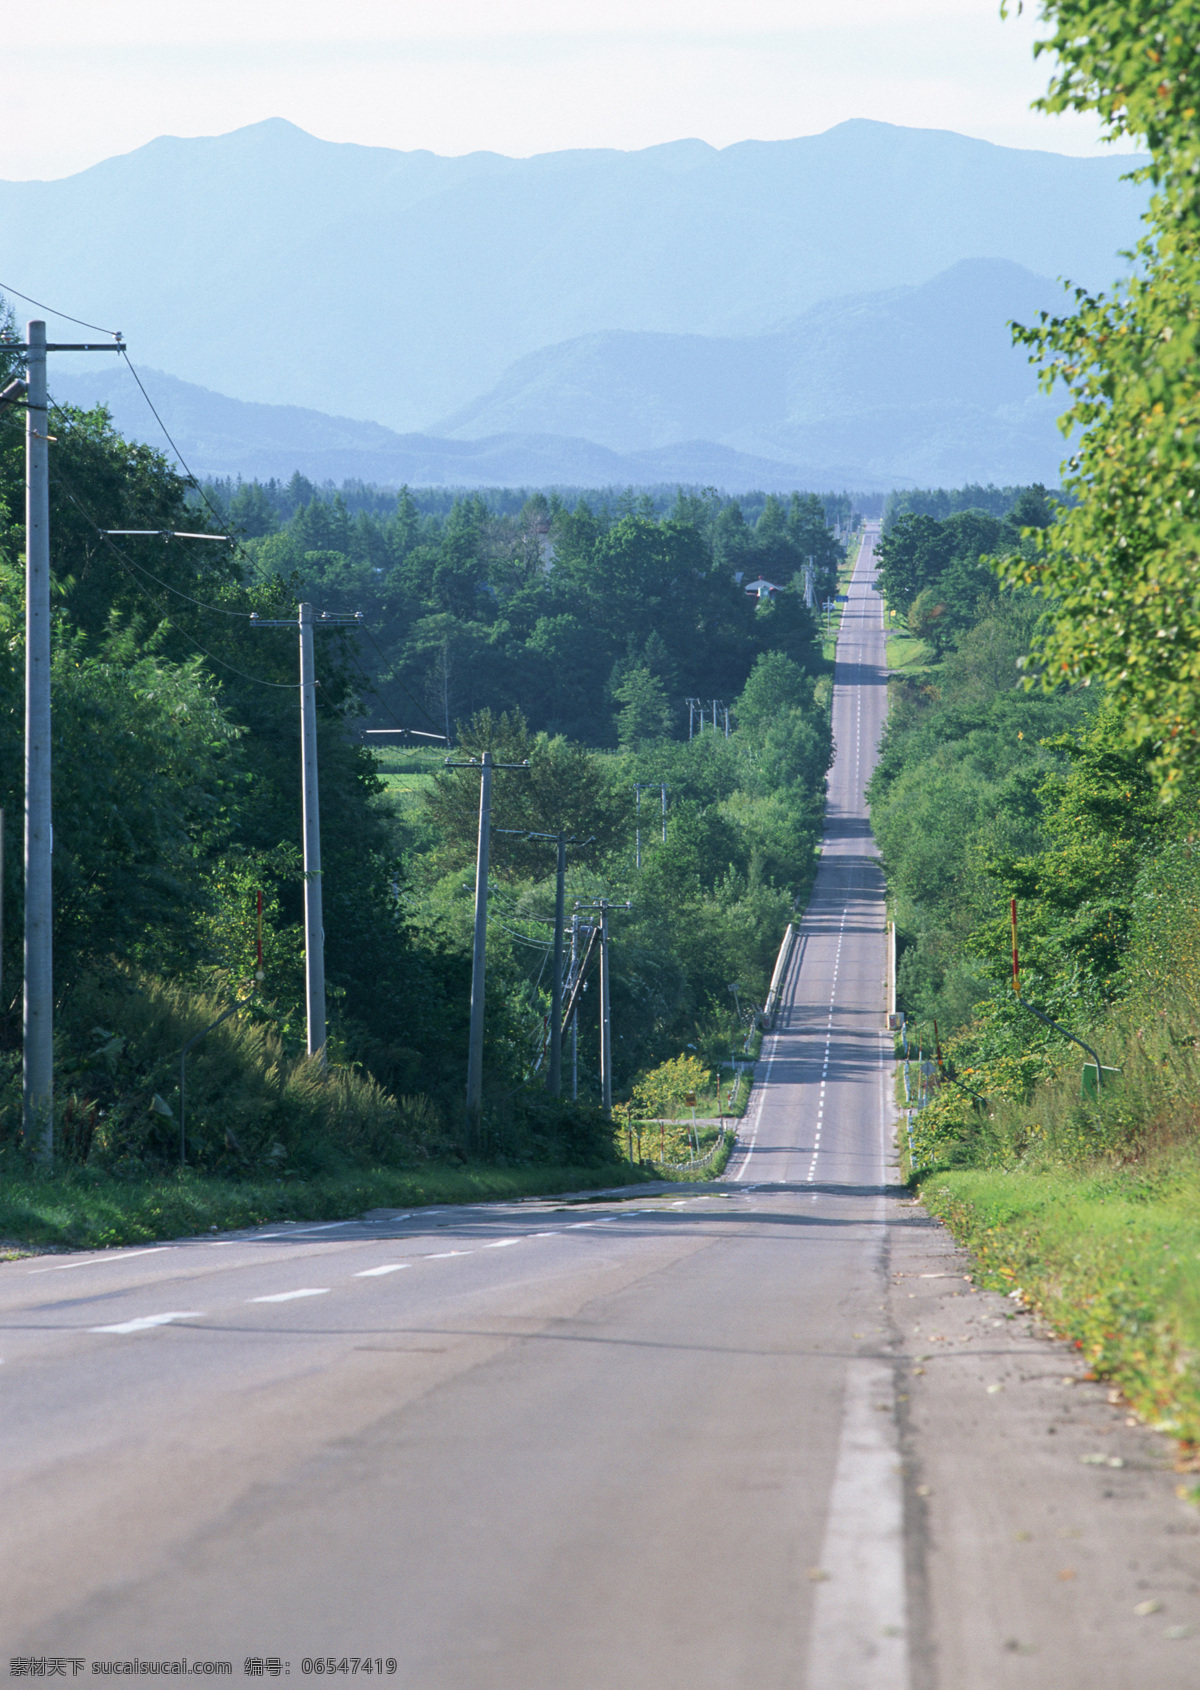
(1048, 1544)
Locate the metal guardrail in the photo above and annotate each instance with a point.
(781, 964)
(730, 1134)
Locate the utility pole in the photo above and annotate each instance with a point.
(39, 955)
(314, 922)
(556, 985)
(37, 1112)
(561, 840)
(575, 1017)
(606, 1064)
(479, 946)
(640, 786)
(479, 952)
(694, 705)
(314, 919)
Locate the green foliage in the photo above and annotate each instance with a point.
(662, 1090)
(935, 571)
(645, 710)
(559, 614)
(1120, 566)
(960, 790)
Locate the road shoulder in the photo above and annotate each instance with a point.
(1047, 1544)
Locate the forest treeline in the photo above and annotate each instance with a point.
(568, 638)
(562, 613)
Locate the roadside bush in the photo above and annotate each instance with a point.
(250, 1106)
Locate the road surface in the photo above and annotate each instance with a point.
(688, 1439)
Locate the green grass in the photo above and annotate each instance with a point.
(904, 652)
(406, 775)
(86, 1211)
(1110, 1258)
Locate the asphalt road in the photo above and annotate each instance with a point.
(661, 1441)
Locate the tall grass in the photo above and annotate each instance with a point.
(254, 1106)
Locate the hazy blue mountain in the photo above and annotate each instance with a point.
(912, 384)
(218, 435)
(916, 384)
(273, 266)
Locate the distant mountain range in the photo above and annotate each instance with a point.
(914, 385)
(275, 267)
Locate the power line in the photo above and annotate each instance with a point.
(119, 338)
(194, 479)
(65, 315)
(217, 609)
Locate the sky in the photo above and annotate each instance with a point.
(84, 81)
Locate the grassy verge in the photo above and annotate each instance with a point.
(86, 1211)
(1110, 1258)
(710, 1170)
(667, 1146)
(905, 652)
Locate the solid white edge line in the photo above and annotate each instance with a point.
(753, 1139)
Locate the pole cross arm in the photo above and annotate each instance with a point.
(408, 733)
(474, 763)
(167, 534)
(323, 618)
(64, 346)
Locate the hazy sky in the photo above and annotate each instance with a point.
(85, 79)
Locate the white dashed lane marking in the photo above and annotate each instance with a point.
(289, 1296)
(148, 1320)
(101, 1260)
(146, 1323)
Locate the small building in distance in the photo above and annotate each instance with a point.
(762, 588)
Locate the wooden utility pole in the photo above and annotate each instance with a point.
(310, 804)
(604, 905)
(486, 767)
(37, 1109)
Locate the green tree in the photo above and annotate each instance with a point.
(1120, 565)
(645, 709)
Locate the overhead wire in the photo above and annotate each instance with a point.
(116, 335)
(129, 563)
(188, 471)
(131, 570)
(65, 315)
